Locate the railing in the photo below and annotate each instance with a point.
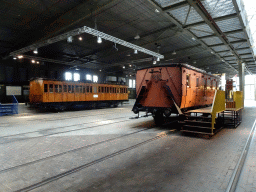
(218, 105)
(9, 109)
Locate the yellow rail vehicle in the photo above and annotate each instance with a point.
(61, 95)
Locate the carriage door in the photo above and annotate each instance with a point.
(197, 91)
(188, 90)
(46, 93)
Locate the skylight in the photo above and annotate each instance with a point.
(250, 8)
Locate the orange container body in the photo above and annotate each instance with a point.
(159, 87)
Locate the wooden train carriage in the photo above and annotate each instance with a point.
(64, 94)
(166, 89)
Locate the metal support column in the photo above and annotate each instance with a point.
(241, 78)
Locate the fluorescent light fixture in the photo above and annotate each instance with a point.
(70, 39)
(80, 38)
(157, 11)
(68, 35)
(35, 51)
(154, 62)
(20, 56)
(14, 58)
(135, 51)
(193, 38)
(37, 62)
(137, 37)
(33, 61)
(99, 39)
(174, 53)
(157, 59)
(124, 67)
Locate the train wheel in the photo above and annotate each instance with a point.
(159, 118)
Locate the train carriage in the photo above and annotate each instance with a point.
(174, 88)
(60, 95)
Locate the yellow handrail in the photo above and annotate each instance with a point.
(238, 99)
(218, 105)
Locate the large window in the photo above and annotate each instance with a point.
(95, 78)
(88, 77)
(68, 76)
(132, 83)
(76, 77)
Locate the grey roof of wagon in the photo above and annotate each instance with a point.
(213, 38)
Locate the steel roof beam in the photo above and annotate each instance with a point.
(216, 19)
(232, 42)
(240, 49)
(175, 6)
(212, 24)
(226, 33)
(173, 20)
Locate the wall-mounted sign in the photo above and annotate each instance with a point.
(13, 90)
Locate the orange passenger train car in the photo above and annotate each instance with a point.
(61, 95)
(173, 88)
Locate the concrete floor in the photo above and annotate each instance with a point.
(104, 150)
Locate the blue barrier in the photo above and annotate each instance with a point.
(9, 109)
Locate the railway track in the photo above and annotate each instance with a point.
(233, 183)
(69, 151)
(70, 117)
(72, 130)
(86, 165)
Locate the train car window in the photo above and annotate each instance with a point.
(102, 89)
(56, 88)
(188, 80)
(83, 89)
(115, 89)
(65, 88)
(118, 90)
(73, 89)
(90, 89)
(69, 89)
(77, 89)
(51, 88)
(211, 84)
(197, 82)
(205, 83)
(107, 89)
(60, 88)
(94, 89)
(126, 91)
(87, 89)
(45, 88)
(111, 89)
(99, 89)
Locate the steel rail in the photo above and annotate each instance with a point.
(239, 166)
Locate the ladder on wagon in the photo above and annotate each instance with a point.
(206, 120)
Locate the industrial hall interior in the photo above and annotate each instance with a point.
(127, 95)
